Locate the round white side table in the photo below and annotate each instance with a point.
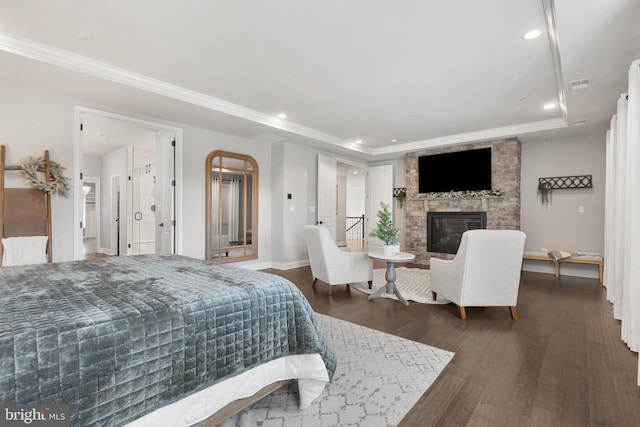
(390, 275)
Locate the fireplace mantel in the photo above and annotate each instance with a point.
(418, 199)
(484, 194)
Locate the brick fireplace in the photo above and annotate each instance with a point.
(501, 212)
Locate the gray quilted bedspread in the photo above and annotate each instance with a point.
(119, 337)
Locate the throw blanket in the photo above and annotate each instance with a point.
(119, 337)
(24, 250)
(560, 255)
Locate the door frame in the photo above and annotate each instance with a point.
(78, 250)
(98, 207)
(116, 215)
(337, 160)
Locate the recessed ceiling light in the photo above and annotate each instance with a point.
(282, 116)
(393, 140)
(549, 106)
(358, 141)
(355, 172)
(533, 34)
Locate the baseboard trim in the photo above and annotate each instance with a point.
(289, 265)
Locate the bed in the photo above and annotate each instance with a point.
(125, 340)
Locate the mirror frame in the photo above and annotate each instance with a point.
(254, 204)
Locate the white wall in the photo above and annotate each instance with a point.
(92, 166)
(198, 143)
(30, 123)
(560, 225)
(295, 171)
(277, 209)
(296, 174)
(397, 213)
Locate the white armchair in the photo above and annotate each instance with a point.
(333, 265)
(485, 271)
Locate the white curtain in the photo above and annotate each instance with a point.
(233, 210)
(619, 205)
(622, 213)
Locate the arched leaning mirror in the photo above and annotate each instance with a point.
(231, 207)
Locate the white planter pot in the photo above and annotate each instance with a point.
(388, 250)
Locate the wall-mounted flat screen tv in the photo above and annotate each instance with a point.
(468, 170)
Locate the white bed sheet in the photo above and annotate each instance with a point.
(309, 369)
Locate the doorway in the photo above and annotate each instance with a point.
(91, 216)
(345, 192)
(352, 196)
(136, 161)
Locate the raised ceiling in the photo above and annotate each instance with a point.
(420, 73)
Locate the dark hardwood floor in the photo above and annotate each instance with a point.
(561, 364)
(94, 255)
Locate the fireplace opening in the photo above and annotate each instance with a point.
(444, 229)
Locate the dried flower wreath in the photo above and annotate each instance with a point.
(58, 184)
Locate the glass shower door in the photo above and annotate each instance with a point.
(144, 219)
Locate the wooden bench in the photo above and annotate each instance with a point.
(594, 259)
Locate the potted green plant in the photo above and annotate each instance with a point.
(386, 231)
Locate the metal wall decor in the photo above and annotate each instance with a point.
(566, 182)
(400, 194)
(399, 191)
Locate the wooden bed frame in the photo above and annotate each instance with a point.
(238, 405)
(24, 211)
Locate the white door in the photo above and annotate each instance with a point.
(115, 216)
(143, 229)
(327, 173)
(165, 194)
(379, 189)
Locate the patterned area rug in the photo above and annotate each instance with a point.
(378, 379)
(413, 284)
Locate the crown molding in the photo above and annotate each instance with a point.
(82, 64)
(477, 136)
